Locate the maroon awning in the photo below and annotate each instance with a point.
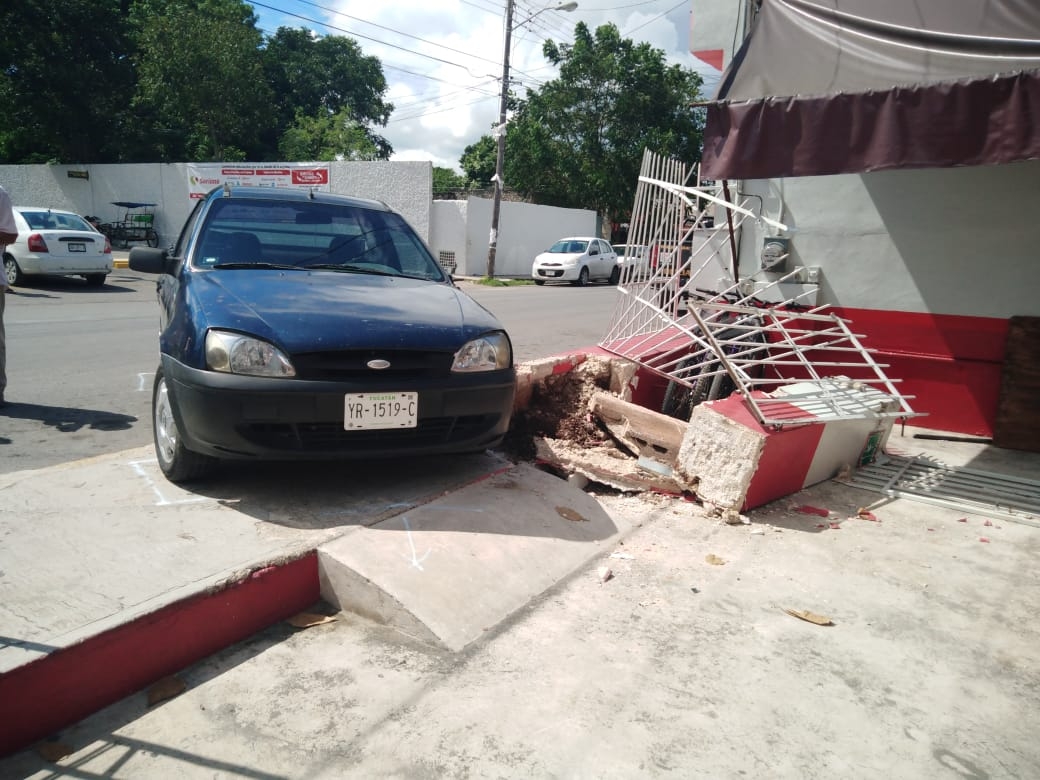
(847, 86)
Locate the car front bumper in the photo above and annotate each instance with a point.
(555, 273)
(239, 417)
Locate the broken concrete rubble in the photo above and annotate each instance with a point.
(605, 464)
(574, 414)
(638, 430)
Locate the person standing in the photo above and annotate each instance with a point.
(8, 235)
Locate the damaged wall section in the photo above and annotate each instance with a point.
(574, 415)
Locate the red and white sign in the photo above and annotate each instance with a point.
(203, 177)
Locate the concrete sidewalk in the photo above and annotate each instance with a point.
(682, 663)
(111, 577)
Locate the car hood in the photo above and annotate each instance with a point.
(558, 257)
(305, 311)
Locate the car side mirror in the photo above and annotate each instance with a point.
(150, 260)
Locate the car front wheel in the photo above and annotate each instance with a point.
(12, 271)
(583, 277)
(177, 463)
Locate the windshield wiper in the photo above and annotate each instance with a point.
(350, 268)
(266, 266)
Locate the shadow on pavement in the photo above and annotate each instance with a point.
(66, 419)
(324, 495)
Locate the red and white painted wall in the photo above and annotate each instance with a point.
(929, 264)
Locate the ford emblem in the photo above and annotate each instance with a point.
(379, 364)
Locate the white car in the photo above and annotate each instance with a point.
(578, 260)
(56, 243)
(635, 257)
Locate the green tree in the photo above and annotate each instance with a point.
(200, 78)
(65, 80)
(447, 184)
(589, 127)
(479, 161)
(327, 137)
(319, 77)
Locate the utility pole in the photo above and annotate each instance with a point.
(496, 207)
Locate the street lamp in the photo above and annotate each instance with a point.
(496, 208)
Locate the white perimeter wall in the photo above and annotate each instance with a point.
(946, 241)
(407, 187)
(464, 227)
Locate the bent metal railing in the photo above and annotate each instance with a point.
(686, 315)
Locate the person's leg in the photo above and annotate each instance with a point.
(3, 345)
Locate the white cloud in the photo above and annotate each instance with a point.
(445, 87)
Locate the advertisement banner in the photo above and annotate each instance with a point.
(203, 177)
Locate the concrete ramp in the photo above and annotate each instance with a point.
(450, 570)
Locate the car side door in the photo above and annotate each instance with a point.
(607, 258)
(593, 253)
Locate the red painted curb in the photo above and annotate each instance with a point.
(62, 688)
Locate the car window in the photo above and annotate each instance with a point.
(53, 220)
(190, 224)
(312, 234)
(569, 247)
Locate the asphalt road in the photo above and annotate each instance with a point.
(80, 361)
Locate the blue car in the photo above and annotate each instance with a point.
(299, 324)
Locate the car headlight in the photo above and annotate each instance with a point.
(490, 352)
(234, 353)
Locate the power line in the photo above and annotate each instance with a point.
(366, 37)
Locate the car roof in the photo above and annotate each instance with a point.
(295, 196)
(579, 238)
(44, 208)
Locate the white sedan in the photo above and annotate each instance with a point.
(635, 257)
(56, 243)
(578, 260)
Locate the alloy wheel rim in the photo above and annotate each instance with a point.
(165, 427)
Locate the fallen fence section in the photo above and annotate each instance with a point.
(932, 482)
(686, 315)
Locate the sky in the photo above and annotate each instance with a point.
(443, 58)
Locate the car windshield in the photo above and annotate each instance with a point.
(55, 220)
(568, 247)
(241, 234)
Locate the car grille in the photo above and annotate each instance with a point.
(341, 366)
(331, 437)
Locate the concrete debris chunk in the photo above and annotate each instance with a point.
(605, 465)
(644, 433)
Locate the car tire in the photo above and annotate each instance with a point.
(583, 277)
(176, 462)
(615, 276)
(95, 280)
(12, 271)
(539, 282)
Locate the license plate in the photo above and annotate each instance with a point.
(367, 411)
(74, 247)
